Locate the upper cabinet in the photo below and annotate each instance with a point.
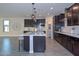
(59, 21)
(28, 23)
(72, 15)
(32, 23)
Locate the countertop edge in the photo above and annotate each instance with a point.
(68, 34)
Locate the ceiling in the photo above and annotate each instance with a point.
(25, 9)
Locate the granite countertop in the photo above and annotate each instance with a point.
(69, 34)
(34, 34)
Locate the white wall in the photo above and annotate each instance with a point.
(16, 26)
(49, 32)
(68, 29)
(65, 22)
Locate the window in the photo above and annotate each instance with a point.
(6, 26)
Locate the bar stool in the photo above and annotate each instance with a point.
(21, 38)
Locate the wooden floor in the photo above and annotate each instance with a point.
(9, 46)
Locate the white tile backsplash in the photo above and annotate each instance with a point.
(69, 29)
(29, 29)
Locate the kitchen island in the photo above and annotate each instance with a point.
(34, 43)
(70, 41)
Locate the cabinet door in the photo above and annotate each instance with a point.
(39, 43)
(75, 19)
(73, 13)
(26, 43)
(69, 44)
(76, 47)
(65, 41)
(61, 39)
(28, 23)
(56, 36)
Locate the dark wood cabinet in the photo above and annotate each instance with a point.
(26, 43)
(68, 42)
(59, 21)
(39, 44)
(32, 23)
(28, 23)
(76, 46)
(72, 15)
(65, 41)
(41, 21)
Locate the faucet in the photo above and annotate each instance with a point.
(73, 28)
(72, 31)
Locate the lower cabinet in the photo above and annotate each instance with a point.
(39, 43)
(26, 43)
(76, 47)
(69, 42)
(64, 42)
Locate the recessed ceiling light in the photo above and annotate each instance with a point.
(39, 15)
(51, 8)
(76, 7)
(48, 13)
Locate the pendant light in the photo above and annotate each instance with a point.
(33, 16)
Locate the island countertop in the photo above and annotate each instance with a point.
(34, 34)
(69, 34)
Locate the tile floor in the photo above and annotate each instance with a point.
(9, 46)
